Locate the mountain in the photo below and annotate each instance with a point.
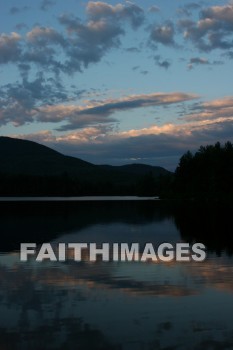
(138, 169)
(27, 157)
(27, 167)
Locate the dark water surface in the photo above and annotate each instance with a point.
(116, 305)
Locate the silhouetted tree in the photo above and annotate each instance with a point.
(207, 174)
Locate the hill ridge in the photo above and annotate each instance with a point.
(27, 167)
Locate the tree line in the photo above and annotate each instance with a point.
(206, 174)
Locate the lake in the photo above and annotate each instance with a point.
(76, 199)
(116, 305)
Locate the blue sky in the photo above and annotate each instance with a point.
(117, 81)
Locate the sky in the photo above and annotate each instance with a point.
(116, 82)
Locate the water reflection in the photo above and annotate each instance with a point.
(121, 305)
(212, 224)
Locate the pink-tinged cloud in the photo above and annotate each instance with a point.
(127, 12)
(213, 30)
(157, 144)
(100, 112)
(214, 110)
(77, 116)
(9, 47)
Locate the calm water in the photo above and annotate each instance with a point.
(76, 199)
(116, 305)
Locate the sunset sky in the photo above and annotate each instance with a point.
(117, 81)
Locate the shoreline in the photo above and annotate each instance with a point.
(77, 199)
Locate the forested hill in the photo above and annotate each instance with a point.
(30, 158)
(28, 168)
(206, 174)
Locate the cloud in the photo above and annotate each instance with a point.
(42, 48)
(85, 135)
(100, 112)
(14, 10)
(74, 116)
(221, 13)
(10, 49)
(214, 110)
(132, 50)
(128, 12)
(161, 62)
(163, 145)
(157, 145)
(46, 4)
(91, 40)
(20, 102)
(90, 43)
(176, 130)
(163, 34)
(154, 9)
(188, 9)
(229, 54)
(27, 99)
(85, 41)
(200, 61)
(21, 26)
(197, 61)
(80, 43)
(213, 30)
(42, 36)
